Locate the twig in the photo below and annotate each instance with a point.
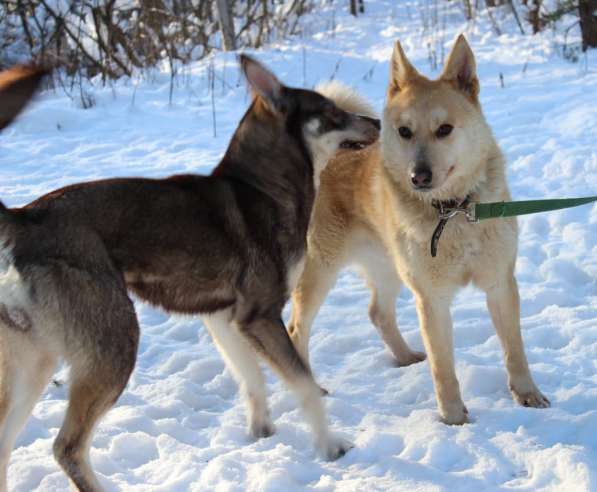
(513, 8)
(336, 68)
(211, 81)
(304, 67)
(494, 23)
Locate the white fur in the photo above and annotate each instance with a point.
(242, 362)
(294, 273)
(323, 147)
(346, 98)
(12, 290)
(438, 117)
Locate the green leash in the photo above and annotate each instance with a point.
(483, 211)
(475, 212)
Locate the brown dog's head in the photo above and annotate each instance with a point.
(434, 135)
(315, 119)
(17, 86)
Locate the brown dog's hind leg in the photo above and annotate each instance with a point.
(93, 392)
(100, 369)
(269, 337)
(25, 371)
(89, 400)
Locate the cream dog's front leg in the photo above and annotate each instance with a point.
(436, 327)
(504, 306)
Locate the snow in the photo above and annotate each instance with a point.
(180, 424)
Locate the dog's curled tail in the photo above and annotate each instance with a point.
(346, 98)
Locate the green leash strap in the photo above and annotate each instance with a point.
(475, 212)
(484, 211)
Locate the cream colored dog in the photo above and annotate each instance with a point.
(375, 207)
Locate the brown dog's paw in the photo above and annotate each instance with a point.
(410, 358)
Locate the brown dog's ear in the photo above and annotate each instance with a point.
(401, 70)
(263, 82)
(17, 86)
(461, 69)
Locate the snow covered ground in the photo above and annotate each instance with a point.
(179, 426)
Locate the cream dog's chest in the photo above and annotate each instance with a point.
(465, 252)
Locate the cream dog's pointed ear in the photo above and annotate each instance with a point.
(401, 70)
(461, 69)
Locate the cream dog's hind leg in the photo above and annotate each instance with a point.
(385, 284)
(316, 281)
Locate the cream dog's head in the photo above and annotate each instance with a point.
(434, 137)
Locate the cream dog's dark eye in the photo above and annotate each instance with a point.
(405, 132)
(444, 130)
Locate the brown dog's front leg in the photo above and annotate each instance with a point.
(269, 337)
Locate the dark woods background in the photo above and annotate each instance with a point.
(114, 38)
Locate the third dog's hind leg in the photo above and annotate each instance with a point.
(269, 337)
(242, 362)
(25, 371)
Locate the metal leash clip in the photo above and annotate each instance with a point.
(447, 210)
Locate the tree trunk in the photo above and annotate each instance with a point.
(353, 7)
(587, 10)
(534, 16)
(226, 22)
(468, 9)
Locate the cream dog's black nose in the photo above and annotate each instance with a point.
(421, 177)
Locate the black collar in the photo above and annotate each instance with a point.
(446, 210)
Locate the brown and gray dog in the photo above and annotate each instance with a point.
(374, 208)
(229, 246)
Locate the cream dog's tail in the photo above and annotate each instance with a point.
(346, 98)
